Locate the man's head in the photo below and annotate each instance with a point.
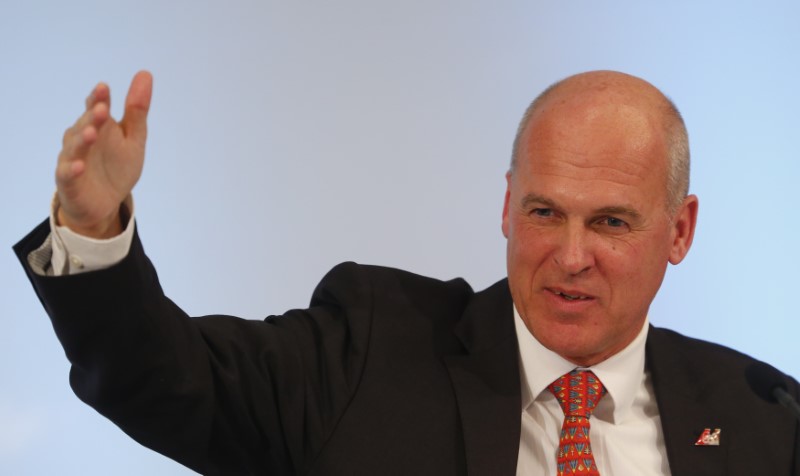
(674, 128)
(596, 206)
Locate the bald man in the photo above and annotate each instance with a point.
(388, 372)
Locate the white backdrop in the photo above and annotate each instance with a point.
(289, 136)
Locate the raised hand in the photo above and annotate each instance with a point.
(101, 160)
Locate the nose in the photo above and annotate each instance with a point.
(573, 253)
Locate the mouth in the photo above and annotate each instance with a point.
(571, 295)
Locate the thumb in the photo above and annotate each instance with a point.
(137, 105)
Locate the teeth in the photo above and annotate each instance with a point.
(571, 298)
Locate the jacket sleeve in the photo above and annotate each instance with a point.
(218, 394)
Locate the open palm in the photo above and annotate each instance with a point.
(102, 160)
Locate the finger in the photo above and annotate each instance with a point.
(82, 129)
(100, 93)
(76, 146)
(72, 159)
(83, 133)
(68, 170)
(137, 105)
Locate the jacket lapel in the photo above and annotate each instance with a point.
(486, 383)
(686, 408)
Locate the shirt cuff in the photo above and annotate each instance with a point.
(74, 253)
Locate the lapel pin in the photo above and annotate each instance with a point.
(708, 437)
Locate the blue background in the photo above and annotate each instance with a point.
(289, 136)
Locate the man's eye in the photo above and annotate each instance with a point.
(542, 212)
(613, 222)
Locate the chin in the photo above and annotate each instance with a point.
(570, 342)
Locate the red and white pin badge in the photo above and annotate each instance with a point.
(708, 437)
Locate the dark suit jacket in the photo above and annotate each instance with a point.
(385, 373)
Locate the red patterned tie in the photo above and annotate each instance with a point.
(578, 393)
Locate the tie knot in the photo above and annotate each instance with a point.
(578, 392)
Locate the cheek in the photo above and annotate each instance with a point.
(524, 254)
(636, 271)
(528, 247)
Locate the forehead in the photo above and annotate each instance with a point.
(602, 135)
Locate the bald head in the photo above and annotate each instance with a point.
(624, 94)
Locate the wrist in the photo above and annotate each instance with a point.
(104, 228)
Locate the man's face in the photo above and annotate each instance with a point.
(588, 227)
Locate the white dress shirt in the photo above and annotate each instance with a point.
(625, 428)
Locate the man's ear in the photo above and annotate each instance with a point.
(505, 224)
(683, 229)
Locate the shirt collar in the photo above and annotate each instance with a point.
(621, 373)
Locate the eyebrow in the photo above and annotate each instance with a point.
(534, 199)
(617, 210)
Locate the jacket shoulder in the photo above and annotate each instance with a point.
(351, 282)
(704, 360)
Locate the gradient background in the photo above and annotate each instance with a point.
(289, 136)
